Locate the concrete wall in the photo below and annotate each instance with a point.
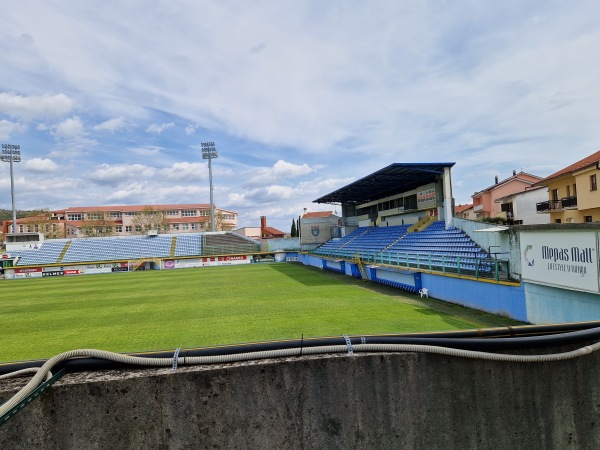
(366, 401)
(547, 304)
(282, 244)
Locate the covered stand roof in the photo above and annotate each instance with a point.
(393, 179)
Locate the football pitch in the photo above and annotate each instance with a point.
(188, 308)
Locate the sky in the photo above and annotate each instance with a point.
(110, 100)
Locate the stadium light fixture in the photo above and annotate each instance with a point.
(11, 153)
(209, 152)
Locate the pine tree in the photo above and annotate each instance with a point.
(293, 232)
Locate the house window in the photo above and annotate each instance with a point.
(138, 228)
(557, 220)
(95, 216)
(593, 183)
(574, 189)
(176, 226)
(128, 229)
(172, 212)
(194, 226)
(188, 213)
(185, 226)
(568, 190)
(587, 218)
(119, 229)
(554, 194)
(74, 216)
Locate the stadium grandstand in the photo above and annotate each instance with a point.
(401, 217)
(140, 249)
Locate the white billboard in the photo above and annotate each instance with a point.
(567, 259)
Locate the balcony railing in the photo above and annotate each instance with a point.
(569, 202)
(556, 205)
(477, 208)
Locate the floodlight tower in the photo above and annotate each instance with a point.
(11, 153)
(210, 152)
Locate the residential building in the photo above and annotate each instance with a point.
(269, 232)
(318, 227)
(520, 209)
(484, 202)
(573, 195)
(465, 211)
(85, 221)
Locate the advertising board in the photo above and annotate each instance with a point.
(563, 259)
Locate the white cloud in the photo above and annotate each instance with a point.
(184, 171)
(107, 173)
(34, 106)
(288, 89)
(41, 165)
(73, 147)
(111, 125)
(148, 150)
(8, 128)
(281, 171)
(69, 128)
(156, 128)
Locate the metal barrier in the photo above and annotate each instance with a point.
(487, 268)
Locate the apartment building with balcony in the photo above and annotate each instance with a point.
(573, 195)
(485, 202)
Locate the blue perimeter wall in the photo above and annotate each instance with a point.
(496, 298)
(486, 296)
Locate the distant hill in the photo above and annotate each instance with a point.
(6, 214)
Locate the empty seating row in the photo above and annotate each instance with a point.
(434, 246)
(111, 248)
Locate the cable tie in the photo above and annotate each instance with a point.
(349, 344)
(176, 358)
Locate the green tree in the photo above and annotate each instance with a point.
(97, 224)
(149, 219)
(40, 221)
(293, 231)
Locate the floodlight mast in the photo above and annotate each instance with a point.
(11, 153)
(210, 152)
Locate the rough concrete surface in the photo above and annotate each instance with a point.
(366, 401)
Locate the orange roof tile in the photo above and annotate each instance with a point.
(514, 177)
(462, 208)
(273, 231)
(312, 215)
(138, 207)
(581, 164)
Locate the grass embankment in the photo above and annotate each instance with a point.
(157, 310)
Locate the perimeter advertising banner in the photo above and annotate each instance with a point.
(206, 261)
(563, 259)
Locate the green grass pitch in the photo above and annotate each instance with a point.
(159, 310)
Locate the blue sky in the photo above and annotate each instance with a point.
(110, 100)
